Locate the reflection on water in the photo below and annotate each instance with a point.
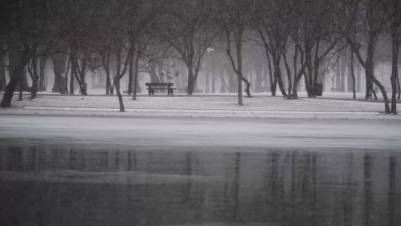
(48, 185)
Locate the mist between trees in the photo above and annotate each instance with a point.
(211, 46)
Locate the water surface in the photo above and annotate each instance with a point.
(65, 185)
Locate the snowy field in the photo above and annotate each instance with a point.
(202, 122)
(334, 105)
(205, 102)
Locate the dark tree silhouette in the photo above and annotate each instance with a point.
(187, 26)
(234, 19)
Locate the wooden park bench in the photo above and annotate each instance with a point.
(161, 86)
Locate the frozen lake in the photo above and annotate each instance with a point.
(157, 171)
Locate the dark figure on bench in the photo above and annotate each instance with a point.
(162, 86)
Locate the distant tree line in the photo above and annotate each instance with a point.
(125, 37)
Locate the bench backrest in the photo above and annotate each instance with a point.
(159, 84)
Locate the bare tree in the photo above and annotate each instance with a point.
(274, 24)
(315, 38)
(234, 20)
(120, 72)
(370, 17)
(59, 67)
(392, 10)
(153, 54)
(21, 33)
(352, 72)
(140, 16)
(79, 35)
(42, 68)
(103, 45)
(106, 55)
(188, 29)
(2, 70)
(130, 19)
(140, 48)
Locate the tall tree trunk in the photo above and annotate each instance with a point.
(59, 66)
(372, 36)
(368, 83)
(136, 74)
(277, 74)
(106, 68)
(35, 77)
(289, 77)
(297, 77)
(17, 62)
(24, 82)
(297, 74)
(394, 71)
(260, 79)
(248, 87)
(3, 81)
(316, 65)
(358, 78)
(273, 80)
(398, 87)
(119, 74)
(75, 73)
(20, 93)
(11, 87)
(213, 79)
(395, 36)
(191, 80)
(118, 92)
(384, 94)
(369, 66)
(131, 74)
(42, 74)
(238, 46)
(308, 75)
(72, 75)
(352, 72)
(83, 88)
(109, 89)
(350, 80)
(281, 84)
(340, 69)
(117, 81)
(79, 71)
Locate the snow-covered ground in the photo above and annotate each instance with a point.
(202, 134)
(334, 106)
(204, 102)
